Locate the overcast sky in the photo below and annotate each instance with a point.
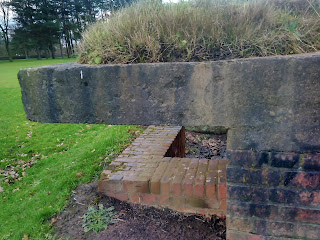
(165, 1)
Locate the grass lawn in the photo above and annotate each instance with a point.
(61, 157)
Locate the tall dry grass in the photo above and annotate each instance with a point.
(201, 30)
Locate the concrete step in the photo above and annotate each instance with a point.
(152, 171)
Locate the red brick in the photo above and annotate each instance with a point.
(211, 191)
(155, 185)
(302, 179)
(150, 199)
(276, 238)
(115, 177)
(308, 216)
(110, 186)
(238, 209)
(263, 210)
(211, 184)
(222, 191)
(255, 237)
(283, 196)
(308, 231)
(106, 173)
(234, 235)
(223, 205)
(179, 175)
(166, 159)
(167, 176)
(114, 165)
(199, 182)
(164, 200)
(188, 189)
(189, 210)
(222, 176)
(213, 164)
(135, 198)
(147, 173)
(125, 160)
(165, 186)
(284, 160)
(239, 224)
(131, 164)
(122, 196)
(259, 226)
(213, 204)
(176, 189)
(178, 201)
(110, 194)
(199, 190)
(188, 181)
(195, 202)
(136, 185)
(194, 162)
(203, 165)
(311, 162)
(280, 229)
(222, 164)
(309, 198)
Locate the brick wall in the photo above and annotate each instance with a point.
(273, 195)
(152, 171)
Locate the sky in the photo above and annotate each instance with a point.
(166, 1)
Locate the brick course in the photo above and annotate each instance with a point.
(153, 171)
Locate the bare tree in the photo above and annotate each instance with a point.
(4, 25)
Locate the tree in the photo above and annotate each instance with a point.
(21, 42)
(38, 19)
(4, 26)
(47, 23)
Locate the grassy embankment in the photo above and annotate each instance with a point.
(58, 153)
(202, 30)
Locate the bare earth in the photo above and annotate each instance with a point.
(135, 222)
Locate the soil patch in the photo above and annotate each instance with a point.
(134, 221)
(137, 222)
(200, 145)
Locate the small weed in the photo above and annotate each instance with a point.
(98, 219)
(48, 236)
(193, 150)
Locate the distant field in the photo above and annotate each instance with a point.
(61, 157)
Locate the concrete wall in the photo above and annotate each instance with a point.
(270, 106)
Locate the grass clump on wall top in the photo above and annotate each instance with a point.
(202, 30)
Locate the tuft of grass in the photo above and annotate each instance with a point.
(66, 155)
(202, 30)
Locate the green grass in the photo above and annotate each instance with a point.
(60, 151)
(203, 30)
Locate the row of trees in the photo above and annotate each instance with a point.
(44, 25)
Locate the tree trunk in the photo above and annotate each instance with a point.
(26, 53)
(39, 53)
(72, 47)
(47, 53)
(61, 49)
(52, 49)
(8, 50)
(68, 46)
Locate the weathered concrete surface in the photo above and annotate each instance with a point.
(268, 103)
